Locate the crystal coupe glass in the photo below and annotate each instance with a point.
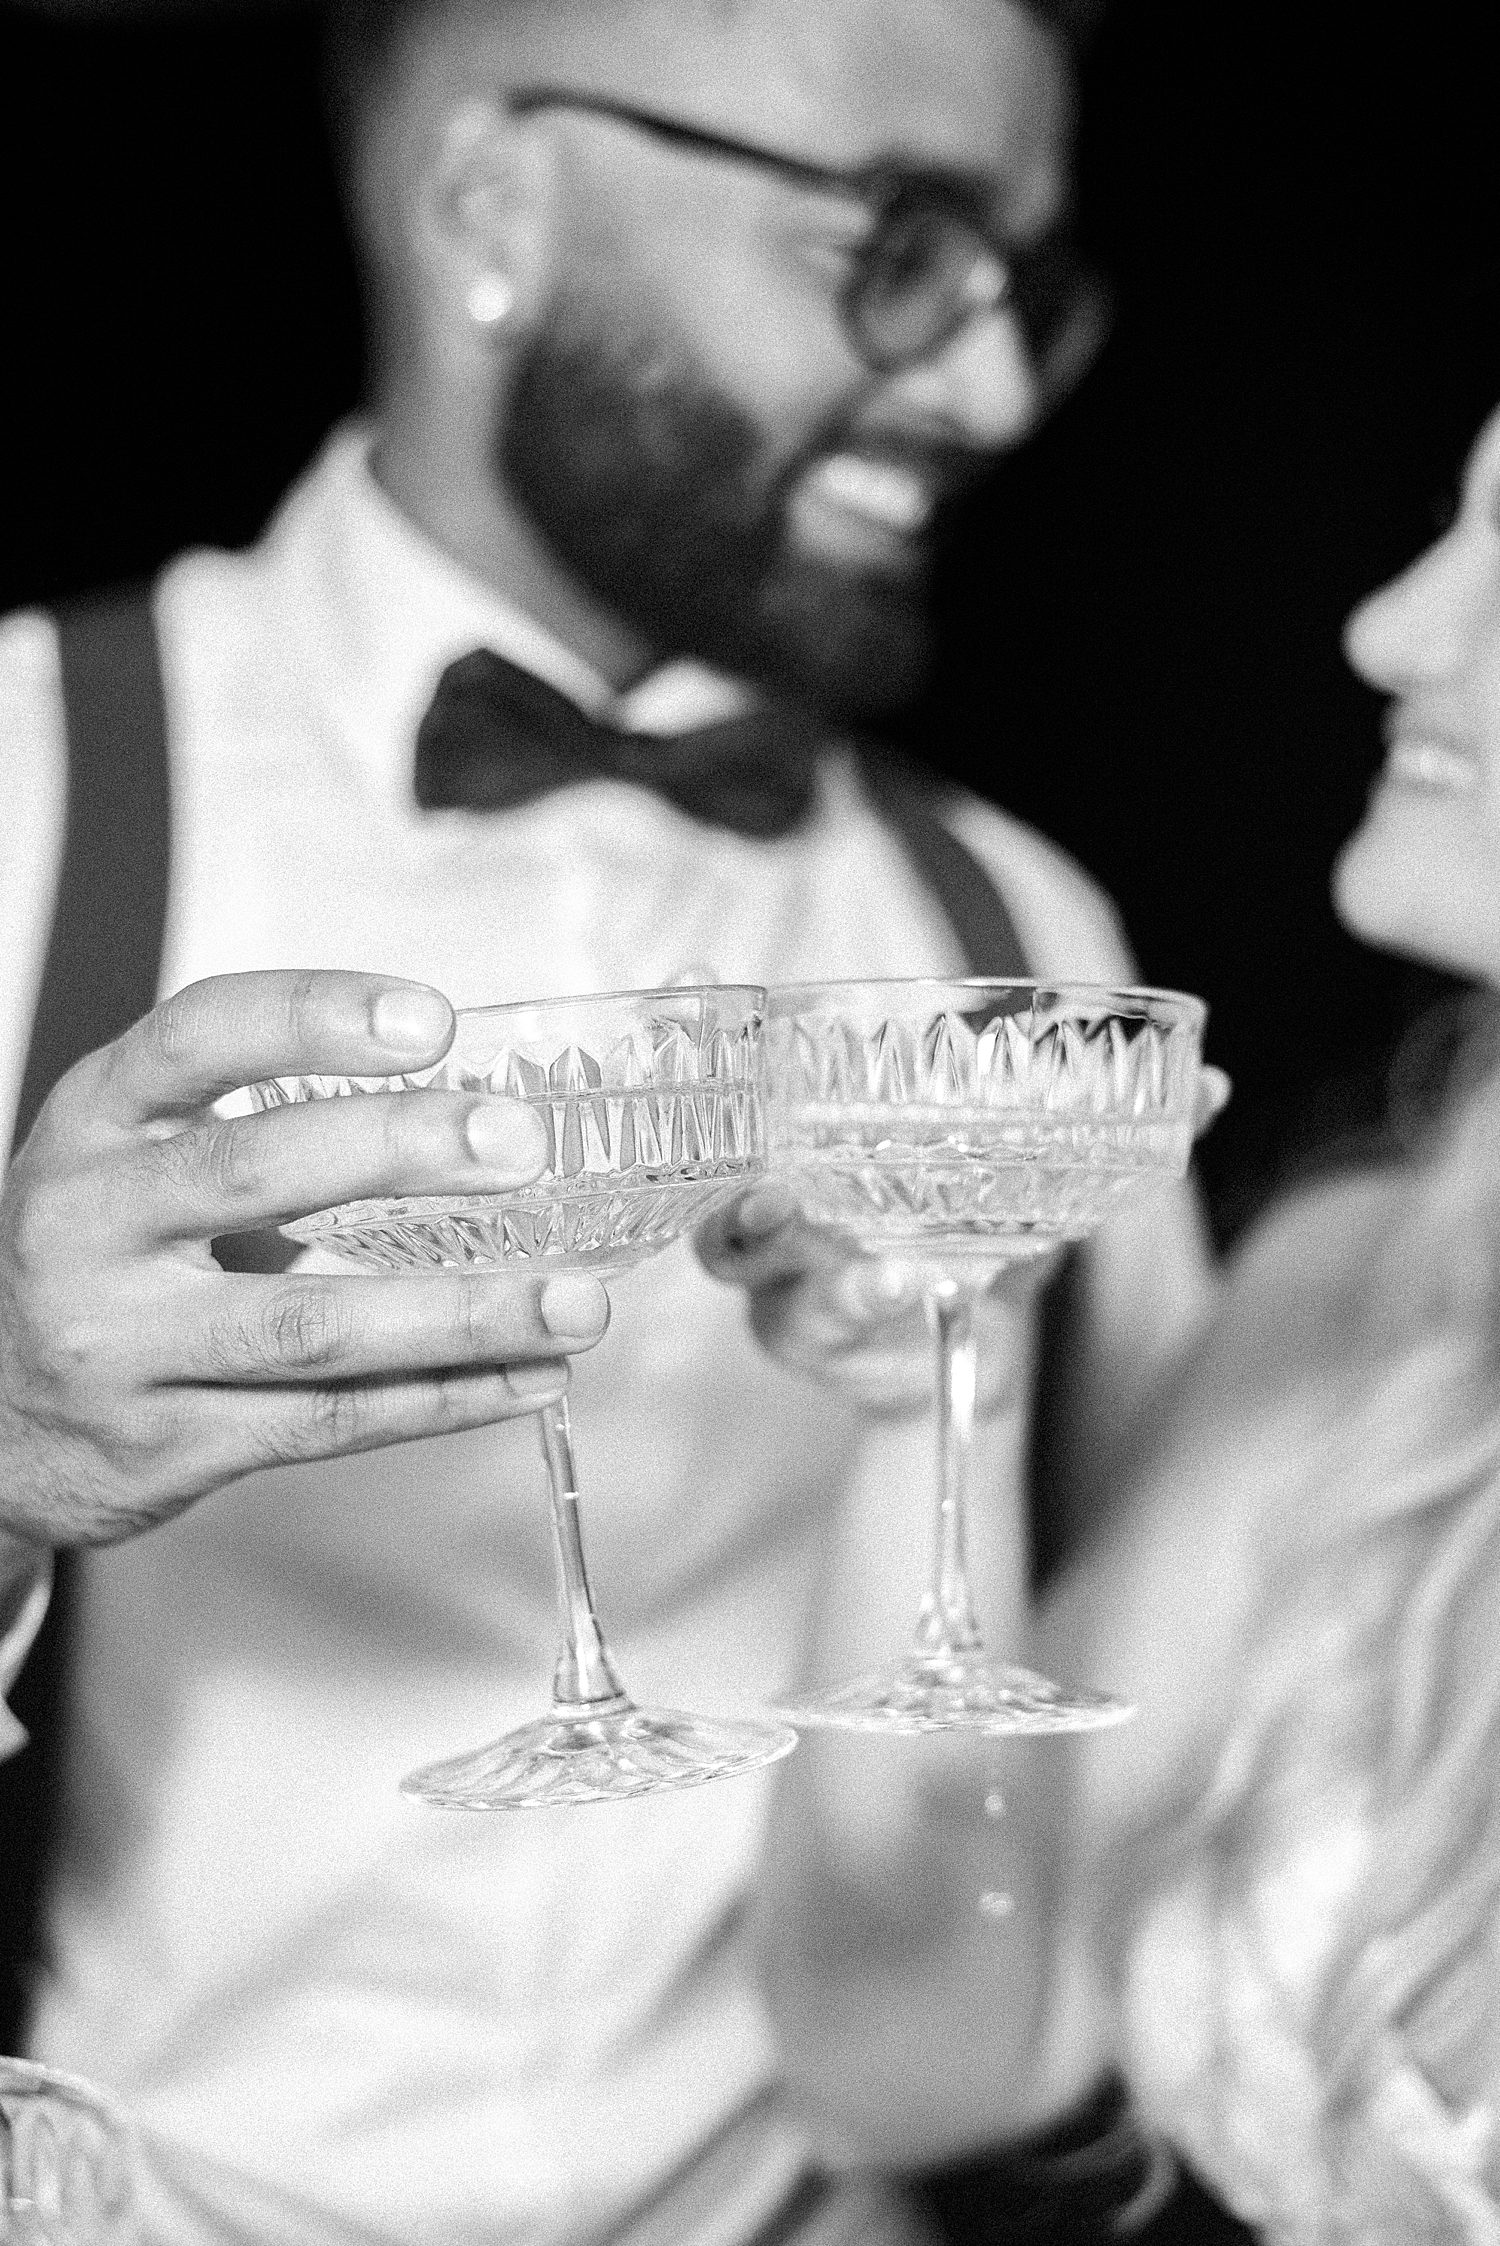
(651, 1100)
(955, 1130)
(65, 2162)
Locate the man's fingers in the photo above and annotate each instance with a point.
(235, 1029)
(243, 1431)
(335, 1331)
(227, 1174)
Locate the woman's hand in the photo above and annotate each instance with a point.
(852, 1321)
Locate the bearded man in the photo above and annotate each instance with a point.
(693, 320)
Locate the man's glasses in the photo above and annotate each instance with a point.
(933, 261)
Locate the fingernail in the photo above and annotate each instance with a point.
(502, 1135)
(409, 1018)
(575, 1309)
(538, 1384)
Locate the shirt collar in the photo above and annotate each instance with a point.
(399, 610)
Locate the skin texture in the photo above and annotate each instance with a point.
(136, 1373)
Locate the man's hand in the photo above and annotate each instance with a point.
(136, 1373)
(845, 1319)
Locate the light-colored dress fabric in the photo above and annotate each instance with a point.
(1354, 1378)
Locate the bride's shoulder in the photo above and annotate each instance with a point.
(1400, 1248)
(1316, 1233)
(1302, 1278)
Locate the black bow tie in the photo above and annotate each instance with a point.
(497, 736)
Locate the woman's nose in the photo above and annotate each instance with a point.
(1419, 629)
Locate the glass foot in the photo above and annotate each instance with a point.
(564, 1760)
(968, 1691)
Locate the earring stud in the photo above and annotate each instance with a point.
(490, 298)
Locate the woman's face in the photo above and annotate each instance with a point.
(1421, 873)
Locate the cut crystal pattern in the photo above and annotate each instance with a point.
(650, 1102)
(944, 1118)
(1058, 1054)
(66, 2162)
(648, 1129)
(571, 1230)
(967, 1691)
(564, 1761)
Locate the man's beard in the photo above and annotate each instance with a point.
(649, 486)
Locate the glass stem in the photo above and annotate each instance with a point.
(946, 1625)
(585, 1677)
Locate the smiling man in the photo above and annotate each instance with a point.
(692, 320)
(726, 309)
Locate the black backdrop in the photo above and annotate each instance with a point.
(1301, 214)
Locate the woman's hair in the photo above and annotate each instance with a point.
(1376, 1664)
(1410, 1989)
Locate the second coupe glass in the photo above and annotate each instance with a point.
(953, 1130)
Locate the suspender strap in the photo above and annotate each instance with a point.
(105, 955)
(911, 803)
(101, 973)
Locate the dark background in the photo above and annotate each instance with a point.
(1302, 217)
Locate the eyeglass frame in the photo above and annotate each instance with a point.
(1015, 269)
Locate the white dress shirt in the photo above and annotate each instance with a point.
(434, 2027)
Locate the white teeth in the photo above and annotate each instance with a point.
(1425, 763)
(877, 488)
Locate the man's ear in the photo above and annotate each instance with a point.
(478, 217)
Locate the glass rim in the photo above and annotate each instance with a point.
(1187, 1003)
(755, 992)
(33, 2078)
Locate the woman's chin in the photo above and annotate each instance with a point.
(1420, 876)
